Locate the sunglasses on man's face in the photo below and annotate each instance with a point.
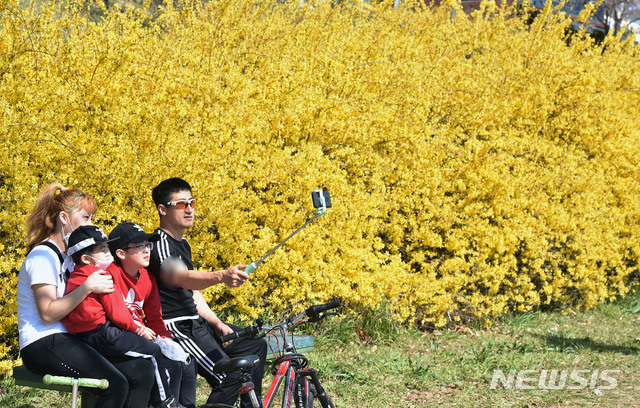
(182, 204)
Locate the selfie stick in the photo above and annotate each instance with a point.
(321, 211)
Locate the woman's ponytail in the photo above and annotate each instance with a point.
(53, 200)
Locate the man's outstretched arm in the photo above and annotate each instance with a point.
(198, 280)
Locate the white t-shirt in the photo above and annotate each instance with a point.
(42, 265)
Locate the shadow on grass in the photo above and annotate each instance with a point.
(562, 343)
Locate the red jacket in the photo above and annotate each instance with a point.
(141, 298)
(134, 302)
(96, 309)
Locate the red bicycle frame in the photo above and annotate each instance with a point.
(285, 372)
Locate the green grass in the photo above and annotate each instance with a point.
(455, 368)
(370, 361)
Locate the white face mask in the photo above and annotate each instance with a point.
(103, 263)
(68, 234)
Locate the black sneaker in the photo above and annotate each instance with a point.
(170, 402)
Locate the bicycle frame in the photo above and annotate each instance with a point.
(288, 373)
(290, 370)
(285, 372)
(291, 367)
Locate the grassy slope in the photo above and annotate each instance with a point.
(455, 368)
(370, 362)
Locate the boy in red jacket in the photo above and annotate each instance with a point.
(131, 247)
(104, 321)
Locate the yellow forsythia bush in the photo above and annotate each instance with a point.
(477, 164)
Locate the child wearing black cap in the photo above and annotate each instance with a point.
(131, 247)
(103, 321)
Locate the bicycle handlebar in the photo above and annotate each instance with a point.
(247, 331)
(82, 382)
(314, 313)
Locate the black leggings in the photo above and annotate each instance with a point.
(130, 379)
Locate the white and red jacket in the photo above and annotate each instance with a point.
(134, 302)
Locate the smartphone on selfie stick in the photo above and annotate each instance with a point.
(321, 201)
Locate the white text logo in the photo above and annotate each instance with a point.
(555, 379)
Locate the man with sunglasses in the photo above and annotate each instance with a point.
(185, 312)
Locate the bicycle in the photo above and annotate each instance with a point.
(301, 384)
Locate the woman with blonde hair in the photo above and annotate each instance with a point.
(45, 345)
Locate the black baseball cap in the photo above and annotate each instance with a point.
(126, 233)
(85, 236)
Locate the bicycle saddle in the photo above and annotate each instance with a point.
(228, 365)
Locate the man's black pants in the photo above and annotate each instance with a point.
(199, 339)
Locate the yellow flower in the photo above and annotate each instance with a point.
(476, 165)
